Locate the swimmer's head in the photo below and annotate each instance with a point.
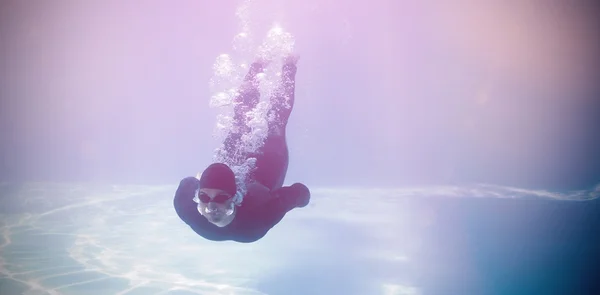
(216, 205)
(215, 195)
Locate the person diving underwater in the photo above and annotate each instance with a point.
(213, 205)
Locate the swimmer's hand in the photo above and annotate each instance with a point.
(297, 195)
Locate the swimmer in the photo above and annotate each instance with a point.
(210, 203)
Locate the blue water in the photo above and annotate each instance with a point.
(103, 239)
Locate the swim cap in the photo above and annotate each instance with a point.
(219, 176)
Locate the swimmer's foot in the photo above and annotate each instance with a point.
(291, 59)
(288, 71)
(261, 61)
(257, 67)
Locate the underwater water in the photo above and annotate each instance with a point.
(78, 239)
(106, 105)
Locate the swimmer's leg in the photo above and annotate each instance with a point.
(247, 98)
(282, 102)
(272, 161)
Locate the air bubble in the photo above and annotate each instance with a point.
(229, 72)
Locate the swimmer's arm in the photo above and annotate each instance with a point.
(281, 201)
(287, 198)
(183, 202)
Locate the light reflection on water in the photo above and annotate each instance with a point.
(62, 239)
